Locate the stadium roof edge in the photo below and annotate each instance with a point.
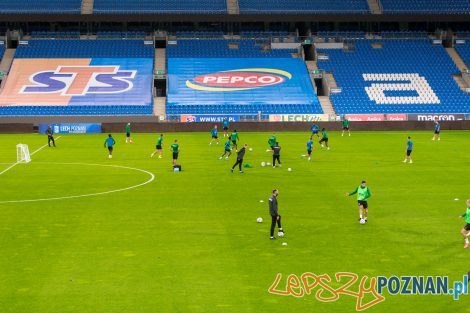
(234, 18)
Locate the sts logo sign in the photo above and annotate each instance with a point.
(80, 81)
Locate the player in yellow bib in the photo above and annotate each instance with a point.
(363, 193)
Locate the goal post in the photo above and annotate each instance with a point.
(22, 153)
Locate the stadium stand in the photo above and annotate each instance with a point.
(199, 34)
(425, 6)
(391, 67)
(299, 99)
(233, 48)
(464, 52)
(55, 35)
(159, 6)
(95, 51)
(84, 49)
(302, 6)
(2, 51)
(40, 6)
(120, 35)
(403, 34)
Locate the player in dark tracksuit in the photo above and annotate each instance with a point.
(277, 154)
(240, 156)
(275, 217)
(50, 136)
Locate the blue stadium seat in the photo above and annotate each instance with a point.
(302, 6)
(40, 6)
(464, 51)
(160, 6)
(425, 6)
(392, 65)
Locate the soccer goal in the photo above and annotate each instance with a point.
(22, 153)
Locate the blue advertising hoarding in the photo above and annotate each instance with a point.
(71, 128)
(223, 81)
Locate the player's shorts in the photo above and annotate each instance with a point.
(228, 150)
(234, 142)
(225, 128)
(314, 132)
(215, 137)
(110, 149)
(467, 227)
(309, 151)
(323, 140)
(128, 134)
(175, 156)
(408, 152)
(345, 127)
(363, 203)
(437, 132)
(159, 147)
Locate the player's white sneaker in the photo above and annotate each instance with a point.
(217, 142)
(438, 139)
(226, 158)
(404, 161)
(411, 161)
(220, 158)
(159, 156)
(110, 156)
(328, 148)
(349, 135)
(309, 159)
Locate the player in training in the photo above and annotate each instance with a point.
(50, 136)
(363, 193)
(324, 139)
(437, 130)
(345, 124)
(409, 149)
(273, 211)
(271, 142)
(110, 142)
(175, 149)
(158, 147)
(315, 129)
(276, 154)
(240, 156)
(225, 125)
(465, 231)
(234, 137)
(227, 149)
(214, 135)
(128, 133)
(309, 148)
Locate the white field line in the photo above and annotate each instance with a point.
(16, 163)
(152, 178)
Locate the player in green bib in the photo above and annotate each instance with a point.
(128, 133)
(175, 149)
(324, 138)
(465, 231)
(363, 193)
(158, 147)
(345, 124)
(234, 137)
(272, 142)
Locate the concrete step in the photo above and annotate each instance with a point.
(232, 7)
(160, 59)
(159, 106)
(374, 6)
(7, 60)
(455, 56)
(312, 65)
(87, 6)
(331, 80)
(326, 105)
(461, 82)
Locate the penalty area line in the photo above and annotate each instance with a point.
(16, 163)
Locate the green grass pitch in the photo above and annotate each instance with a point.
(189, 241)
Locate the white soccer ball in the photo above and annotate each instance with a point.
(259, 220)
(289, 169)
(362, 221)
(280, 234)
(268, 164)
(263, 164)
(251, 149)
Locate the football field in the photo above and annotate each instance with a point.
(83, 233)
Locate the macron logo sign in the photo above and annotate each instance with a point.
(80, 81)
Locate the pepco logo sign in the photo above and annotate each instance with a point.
(237, 80)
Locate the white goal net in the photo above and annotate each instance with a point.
(22, 153)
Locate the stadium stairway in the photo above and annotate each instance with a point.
(374, 6)
(232, 7)
(7, 60)
(160, 60)
(455, 56)
(87, 6)
(331, 80)
(326, 105)
(159, 106)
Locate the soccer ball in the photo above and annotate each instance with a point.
(259, 220)
(280, 234)
(362, 221)
(263, 164)
(251, 149)
(289, 169)
(268, 164)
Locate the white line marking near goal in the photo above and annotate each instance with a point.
(152, 178)
(16, 163)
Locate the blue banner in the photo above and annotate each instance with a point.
(218, 81)
(190, 118)
(71, 128)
